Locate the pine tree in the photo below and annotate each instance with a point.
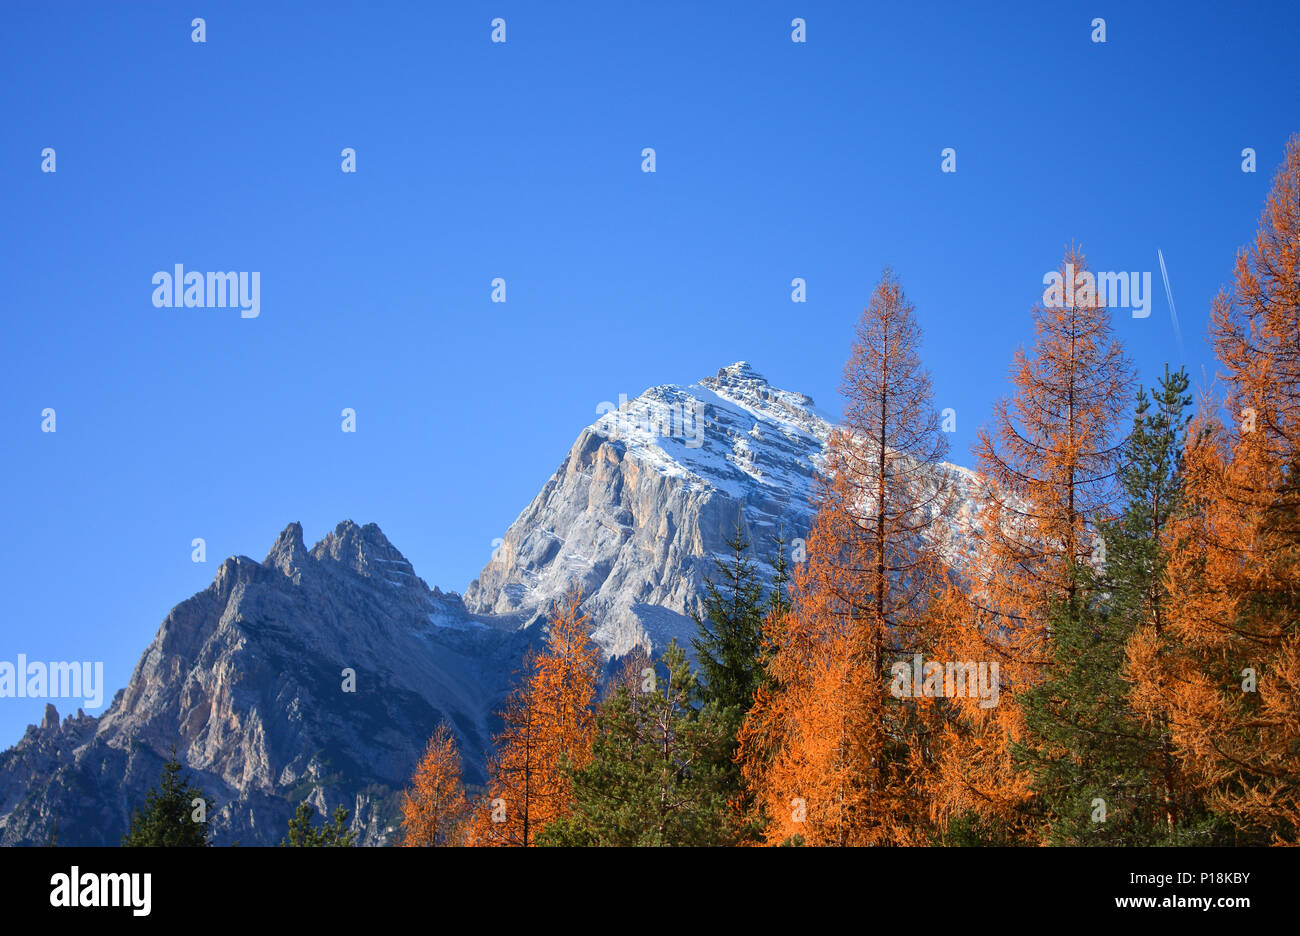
(1223, 667)
(302, 834)
(778, 599)
(656, 774)
(728, 645)
(175, 813)
(434, 809)
(729, 650)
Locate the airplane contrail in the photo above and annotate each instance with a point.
(1173, 313)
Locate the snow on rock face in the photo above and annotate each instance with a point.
(649, 494)
(247, 676)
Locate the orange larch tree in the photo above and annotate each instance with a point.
(434, 809)
(1047, 466)
(1225, 667)
(507, 815)
(547, 726)
(826, 748)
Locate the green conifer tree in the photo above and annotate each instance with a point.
(329, 835)
(655, 777)
(175, 813)
(1102, 775)
(732, 655)
(778, 600)
(730, 639)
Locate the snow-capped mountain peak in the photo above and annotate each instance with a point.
(648, 495)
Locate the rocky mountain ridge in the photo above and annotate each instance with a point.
(315, 674)
(249, 678)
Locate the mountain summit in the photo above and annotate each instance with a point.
(317, 674)
(647, 497)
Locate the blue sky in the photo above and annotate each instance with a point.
(522, 160)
